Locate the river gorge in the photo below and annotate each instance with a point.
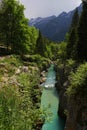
(50, 101)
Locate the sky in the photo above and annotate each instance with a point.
(45, 8)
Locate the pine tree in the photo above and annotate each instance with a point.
(82, 34)
(72, 38)
(40, 44)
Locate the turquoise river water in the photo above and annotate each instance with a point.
(50, 101)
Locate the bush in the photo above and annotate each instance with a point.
(78, 83)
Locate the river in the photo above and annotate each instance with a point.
(50, 101)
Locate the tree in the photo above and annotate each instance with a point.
(62, 51)
(72, 37)
(33, 35)
(82, 34)
(14, 25)
(40, 44)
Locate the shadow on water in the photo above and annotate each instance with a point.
(55, 93)
(50, 96)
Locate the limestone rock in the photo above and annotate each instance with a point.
(18, 71)
(24, 69)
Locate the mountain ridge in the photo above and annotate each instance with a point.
(55, 27)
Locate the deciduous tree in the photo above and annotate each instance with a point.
(14, 25)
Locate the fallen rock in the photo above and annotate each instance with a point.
(43, 79)
(43, 73)
(18, 71)
(24, 69)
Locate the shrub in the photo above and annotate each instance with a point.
(78, 83)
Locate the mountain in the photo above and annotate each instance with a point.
(40, 21)
(54, 27)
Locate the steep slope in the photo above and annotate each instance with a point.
(41, 22)
(54, 27)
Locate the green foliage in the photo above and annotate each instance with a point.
(62, 51)
(48, 52)
(54, 50)
(32, 36)
(9, 108)
(15, 32)
(9, 64)
(72, 36)
(40, 44)
(19, 96)
(75, 19)
(13, 25)
(82, 33)
(78, 83)
(14, 60)
(66, 37)
(37, 59)
(70, 63)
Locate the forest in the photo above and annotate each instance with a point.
(24, 54)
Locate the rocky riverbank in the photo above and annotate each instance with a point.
(61, 89)
(73, 109)
(20, 93)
